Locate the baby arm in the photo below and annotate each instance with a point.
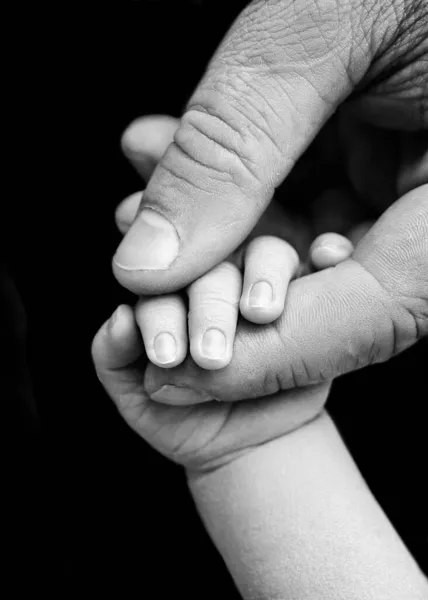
(290, 514)
(293, 518)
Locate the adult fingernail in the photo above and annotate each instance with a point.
(171, 394)
(151, 244)
(165, 348)
(261, 295)
(213, 344)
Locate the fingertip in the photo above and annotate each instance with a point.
(166, 351)
(145, 140)
(262, 304)
(213, 316)
(211, 351)
(117, 342)
(270, 264)
(208, 363)
(162, 323)
(329, 249)
(126, 211)
(120, 322)
(260, 316)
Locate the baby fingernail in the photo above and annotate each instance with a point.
(214, 344)
(165, 348)
(151, 244)
(113, 319)
(171, 394)
(261, 295)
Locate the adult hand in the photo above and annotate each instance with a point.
(281, 72)
(198, 437)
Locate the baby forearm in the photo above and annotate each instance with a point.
(293, 518)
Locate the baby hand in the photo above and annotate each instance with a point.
(203, 435)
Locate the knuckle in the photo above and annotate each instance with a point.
(295, 372)
(214, 306)
(157, 312)
(271, 255)
(210, 136)
(222, 283)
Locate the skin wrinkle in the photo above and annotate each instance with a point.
(246, 79)
(207, 303)
(245, 75)
(254, 126)
(221, 174)
(233, 152)
(239, 157)
(246, 58)
(213, 112)
(271, 382)
(200, 459)
(156, 433)
(285, 161)
(408, 16)
(179, 452)
(360, 34)
(181, 177)
(396, 329)
(204, 466)
(309, 379)
(238, 106)
(297, 26)
(284, 345)
(394, 53)
(211, 440)
(266, 22)
(250, 140)
(365, 353)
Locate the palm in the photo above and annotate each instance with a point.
(201, 435)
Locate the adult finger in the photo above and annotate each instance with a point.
(277, 77)
(144, 142)
(365, 310)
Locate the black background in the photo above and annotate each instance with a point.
(93, 508)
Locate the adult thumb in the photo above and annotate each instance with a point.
(363, 311)
(280, 72)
